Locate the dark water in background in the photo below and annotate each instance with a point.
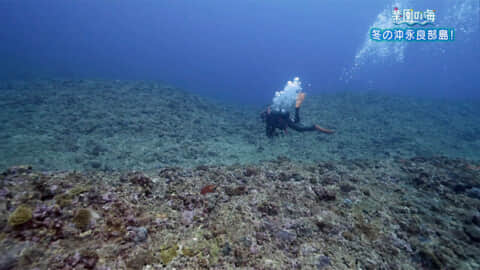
(239, 50)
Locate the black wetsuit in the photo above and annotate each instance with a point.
(281, 120)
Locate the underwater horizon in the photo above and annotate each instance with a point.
(143, 135)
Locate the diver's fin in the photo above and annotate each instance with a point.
(324, 130)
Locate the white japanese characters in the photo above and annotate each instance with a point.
(412, 18)
(412, 34)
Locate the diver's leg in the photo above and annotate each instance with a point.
(270, 131)
(300, 128)
(295, 126)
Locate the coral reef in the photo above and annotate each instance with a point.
(87, 125)
(418, 213)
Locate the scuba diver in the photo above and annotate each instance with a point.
(281, 120)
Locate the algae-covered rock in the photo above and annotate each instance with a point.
(21, 215)
(189, 252)
(77, 190)
(167, 255)
(63, 200)
(82, 218)
(29, 256)
(141, 259)
(214, 252)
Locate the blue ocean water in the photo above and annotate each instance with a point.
(240, 50)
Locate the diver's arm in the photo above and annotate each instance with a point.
(299, 101)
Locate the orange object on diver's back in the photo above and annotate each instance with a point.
(207, 189)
